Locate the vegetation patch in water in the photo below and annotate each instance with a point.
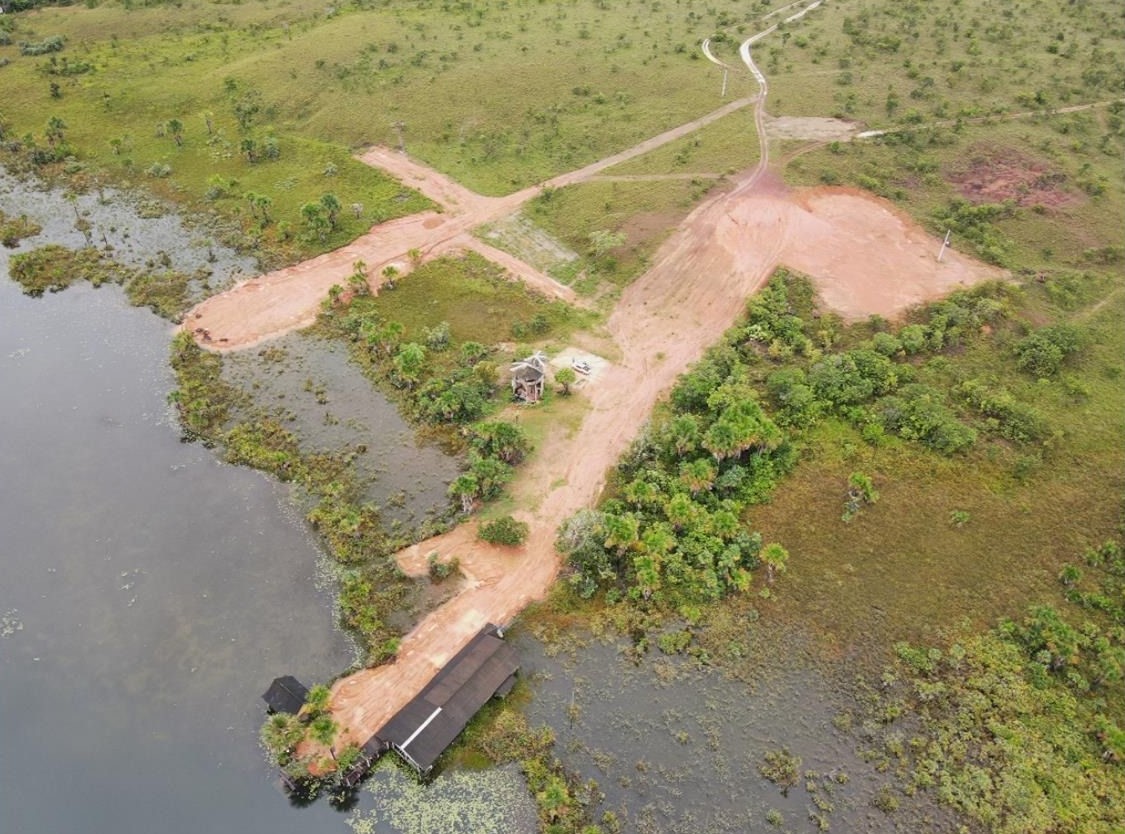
(493, 801)
(371, 586)
(53, 268)
(15, 229)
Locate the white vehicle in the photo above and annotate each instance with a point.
(580, 365)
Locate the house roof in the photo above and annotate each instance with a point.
(286, 694)
(422, 730)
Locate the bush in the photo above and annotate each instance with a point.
(1042, 353)
(506, 531)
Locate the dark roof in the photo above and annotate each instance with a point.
(427, 725)
(286, 694)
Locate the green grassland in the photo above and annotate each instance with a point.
(640, 212)
(466, 82)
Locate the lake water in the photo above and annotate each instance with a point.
(149, 592)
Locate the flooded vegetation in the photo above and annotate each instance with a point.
(309, 385)
(674, 745)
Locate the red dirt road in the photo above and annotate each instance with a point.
(864, 257)
(862, 254)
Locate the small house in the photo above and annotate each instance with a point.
(528, 377)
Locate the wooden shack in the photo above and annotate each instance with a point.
(528, 377)
(422, 730)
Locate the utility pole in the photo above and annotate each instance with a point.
(399, 127)
(723, 94)
(944, 244)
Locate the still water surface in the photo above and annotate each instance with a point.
(149, 592)
(156, 590)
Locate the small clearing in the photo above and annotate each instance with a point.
(995, 174)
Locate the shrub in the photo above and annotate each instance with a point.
(505, 531)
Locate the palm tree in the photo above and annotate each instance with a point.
(175, 129)
(465, 486)
(697, 475)
(55, 128)
(775, 558)
(260, 205)
(499, 439)
(409, 361)
(331, 205)
(323, 729)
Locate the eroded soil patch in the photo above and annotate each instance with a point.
(997, 174)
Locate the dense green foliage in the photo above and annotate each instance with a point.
(430, 342)
(504, 530)
(1020, 728)
(674, 527)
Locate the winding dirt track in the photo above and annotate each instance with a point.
(863, 255)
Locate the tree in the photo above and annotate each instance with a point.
(491, 475)
(55, 131)
(697, 475)
(472, 352)
(316, 702)
(684, 431)
(323, 729)
(386, 337)
(281, 734)
(775, 557)
(357, 281)
(722, 440)
(260, 206)
(409, 362)
(465, 487)
(315, 219)
(566, 377)
(175, 129)
(502, 440)
(331, 205)
(622, 531)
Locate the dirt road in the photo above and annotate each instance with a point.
(863, 255)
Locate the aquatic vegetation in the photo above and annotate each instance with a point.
(54, 268)
(493, 801)
(15, 229)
